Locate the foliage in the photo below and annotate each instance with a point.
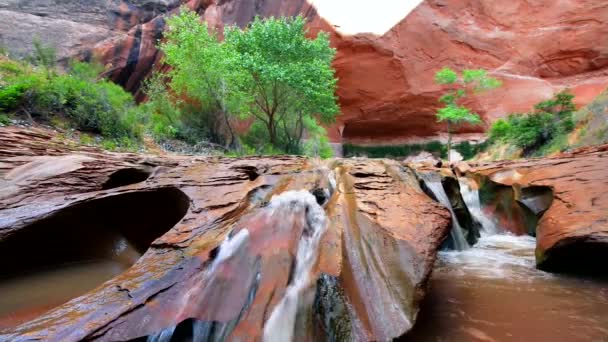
(161, 112)
(90, 104)
(543, 130)
(466, 149)
(4, 120)
(270, 74)
(44, 56)
(499, 129)
(455, 114)
(290, 77)
(469, 83)
(205, 70)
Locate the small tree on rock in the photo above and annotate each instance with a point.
(469, 83)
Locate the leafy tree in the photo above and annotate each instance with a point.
(206, 70)
(270, 72)
(561, 107)
(290, 78)
(469, 83)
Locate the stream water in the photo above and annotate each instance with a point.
(493, 292)
(287, 213)
(433, 183)
(26, 296)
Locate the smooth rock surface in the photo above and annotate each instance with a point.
(372, 267)
(569, 192)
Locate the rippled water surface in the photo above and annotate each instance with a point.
(492, 292)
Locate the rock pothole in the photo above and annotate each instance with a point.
(76, 249)
(126, 177)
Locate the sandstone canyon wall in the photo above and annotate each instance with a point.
(386, 85)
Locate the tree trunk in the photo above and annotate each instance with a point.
(272, 132)
(233, 142)
(449, 141)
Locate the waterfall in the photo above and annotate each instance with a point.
(433, 183)
(205, 331)
(280, 325)
(208, 288)
(472, 201)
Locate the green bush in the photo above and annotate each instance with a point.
(500, 130)
(536, 131)
(4, 120)
(90, 104)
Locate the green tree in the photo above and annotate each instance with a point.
(469, 83)
(206, 70)
(290, 78)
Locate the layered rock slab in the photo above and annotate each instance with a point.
(568, 193)
(374, 259)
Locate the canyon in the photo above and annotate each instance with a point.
(161, 246)
(214, 248)
(386, 88)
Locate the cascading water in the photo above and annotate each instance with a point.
(499, 271)
(473, 203)
(433, 183)
(213, 304)
(206, 282)
(280, 325)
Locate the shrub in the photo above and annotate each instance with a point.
(98, 106)
(4, 120)
(499, 130)
(535, 131)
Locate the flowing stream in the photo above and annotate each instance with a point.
(493, 292)
(280, 325)
(433, 183)
(210, 290)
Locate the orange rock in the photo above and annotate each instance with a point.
(569, 192)
(183, 213)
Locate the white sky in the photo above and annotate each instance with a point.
(364, 16)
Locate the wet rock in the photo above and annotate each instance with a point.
(432, 180)
(470, 226)
(568, 193)
(215, 243)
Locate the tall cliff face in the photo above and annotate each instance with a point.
(535, 47)
(386, 87)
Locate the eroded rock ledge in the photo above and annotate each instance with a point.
(568, 194)
(374, 259)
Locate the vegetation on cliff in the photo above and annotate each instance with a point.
(43, 92)
(467, 84)
(261, 90)
(542, 131)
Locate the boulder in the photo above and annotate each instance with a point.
(567, 193)
(218, 245)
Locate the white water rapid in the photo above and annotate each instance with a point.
(473, 203)
(433, 183)
(497, 253)
(280, 325)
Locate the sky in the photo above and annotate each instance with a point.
(364, 16)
